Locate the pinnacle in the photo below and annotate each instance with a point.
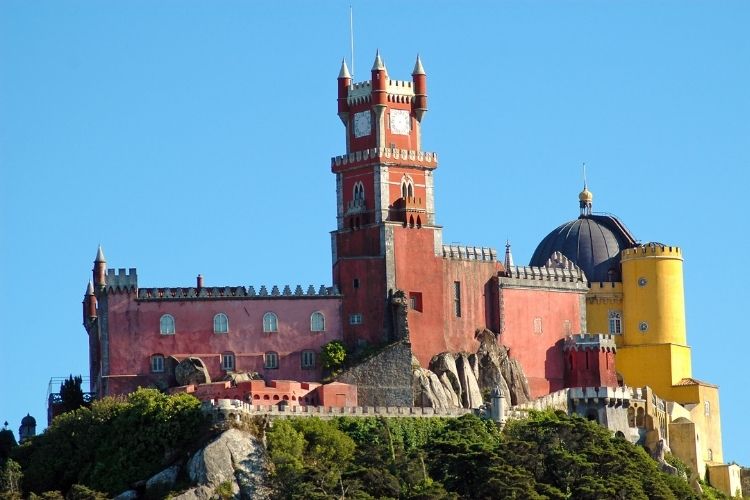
(418, 68)
(100, 255)
(90, 288)
(378, 64)
(344, 73)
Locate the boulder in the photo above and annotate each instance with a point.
(237, 377)
(197, 493)
(235, 456)
(164, 480)
(449, 382)
(444, 366)
(471, 396)
(127, 495)
(191, 371)
(429, 391)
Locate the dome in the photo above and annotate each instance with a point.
(586, 195)
(592, 242)
(28, 421)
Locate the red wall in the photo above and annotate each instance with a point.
(590, 368)
(134, 336)
(540, 355)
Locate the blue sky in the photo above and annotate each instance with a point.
(195, 137)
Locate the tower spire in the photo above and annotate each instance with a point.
(100, 255)
(378, 64)
(585, 197)
(344, 73)
(508, 257)
(418, 68)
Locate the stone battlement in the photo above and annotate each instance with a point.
(590, 341)
(397, 90)
(613, 396)
(237, 292)
(463, 252)
(429, 159)
(121, 279)
(233, 409)
(651, 250)
(574, 275)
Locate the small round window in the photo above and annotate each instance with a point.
(642, 281)
(643, 326)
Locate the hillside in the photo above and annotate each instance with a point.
(117, 445)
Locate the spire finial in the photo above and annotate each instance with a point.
(508, 256)
(100, 255)
(344, 73)
(90, 288)
(378, 64)
(418, 68)
(585, 197)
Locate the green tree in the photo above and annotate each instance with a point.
(7, 443)
(10, 479)
(333, 356)
(71, 393)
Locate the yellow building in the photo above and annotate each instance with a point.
(636, 293)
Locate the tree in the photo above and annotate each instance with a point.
(333, 355)
(71, 393)
(7, 443)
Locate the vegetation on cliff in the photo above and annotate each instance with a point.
(112, 444)
(550, 455)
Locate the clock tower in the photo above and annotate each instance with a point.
(385, 210)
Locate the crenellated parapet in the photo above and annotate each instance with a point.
(358, 158)
(590, 342)
(574, 275)
(396, 91)
(121, 280)
(559, 400)
(464, 252)
(646, 250)
(238, 292)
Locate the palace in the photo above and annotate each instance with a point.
(594, 308)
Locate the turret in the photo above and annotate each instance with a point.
(419, 77)
(379, 82)
(27, 429)
(89, 305)
(590, 360)
(100, 269)
(344, 81)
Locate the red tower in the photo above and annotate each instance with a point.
(590, 361)
(387, 239)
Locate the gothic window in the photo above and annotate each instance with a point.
(631, 417)
(615, 322)
(308, 360)
(166, 325)
(221, 323)
(270, 322)
(157, 363)
(317, 322)
(271, 360)
(359, 191)
(407, 187)
(227, 361)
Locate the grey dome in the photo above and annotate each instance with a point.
(592, 242)
(28, 421)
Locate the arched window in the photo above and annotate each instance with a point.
(640, 419)
(410, 190)
(157, 363)
(631, 417)
(317, 322)
(166, 325)
(227, 361)
(407, 187)
(710, 455)
(359, 191)
(271, 361)
(615, 322)
(270, 322)
(221, 323)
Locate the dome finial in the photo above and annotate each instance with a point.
(585, 197)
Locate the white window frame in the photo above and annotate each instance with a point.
(167, 325)
(307, 360)
(221, 323)
(227, 361)
(270, 323)
(707, 408)
(615, 323)
(271, 360)
(317, 322)
(157, 363)
(356, 319)
(538, 326)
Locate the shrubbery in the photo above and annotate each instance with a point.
(111, 444)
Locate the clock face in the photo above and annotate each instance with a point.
(400, 122)
(362, 124)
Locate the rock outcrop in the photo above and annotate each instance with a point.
(385, 378)
(192, 371)
(461, 379)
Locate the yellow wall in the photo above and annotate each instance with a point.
(653, 295)
(600, 300)
(658, 366)
(708, 426)
(727, 479)
(683, 444)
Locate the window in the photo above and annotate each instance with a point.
(567, 328)
(270, 322)
(271, 360)
(227, 361)
(707, 408)
(457, 298)
(415, 301)
(710, 455)
(157, 363)
(359, 191)
(538, 326)
(317, 322)
(221, 323)
(355, 283)
(308, 360)
(355, 319)
(166, 325)
(615, 322)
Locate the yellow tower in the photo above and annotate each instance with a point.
(654, 348)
